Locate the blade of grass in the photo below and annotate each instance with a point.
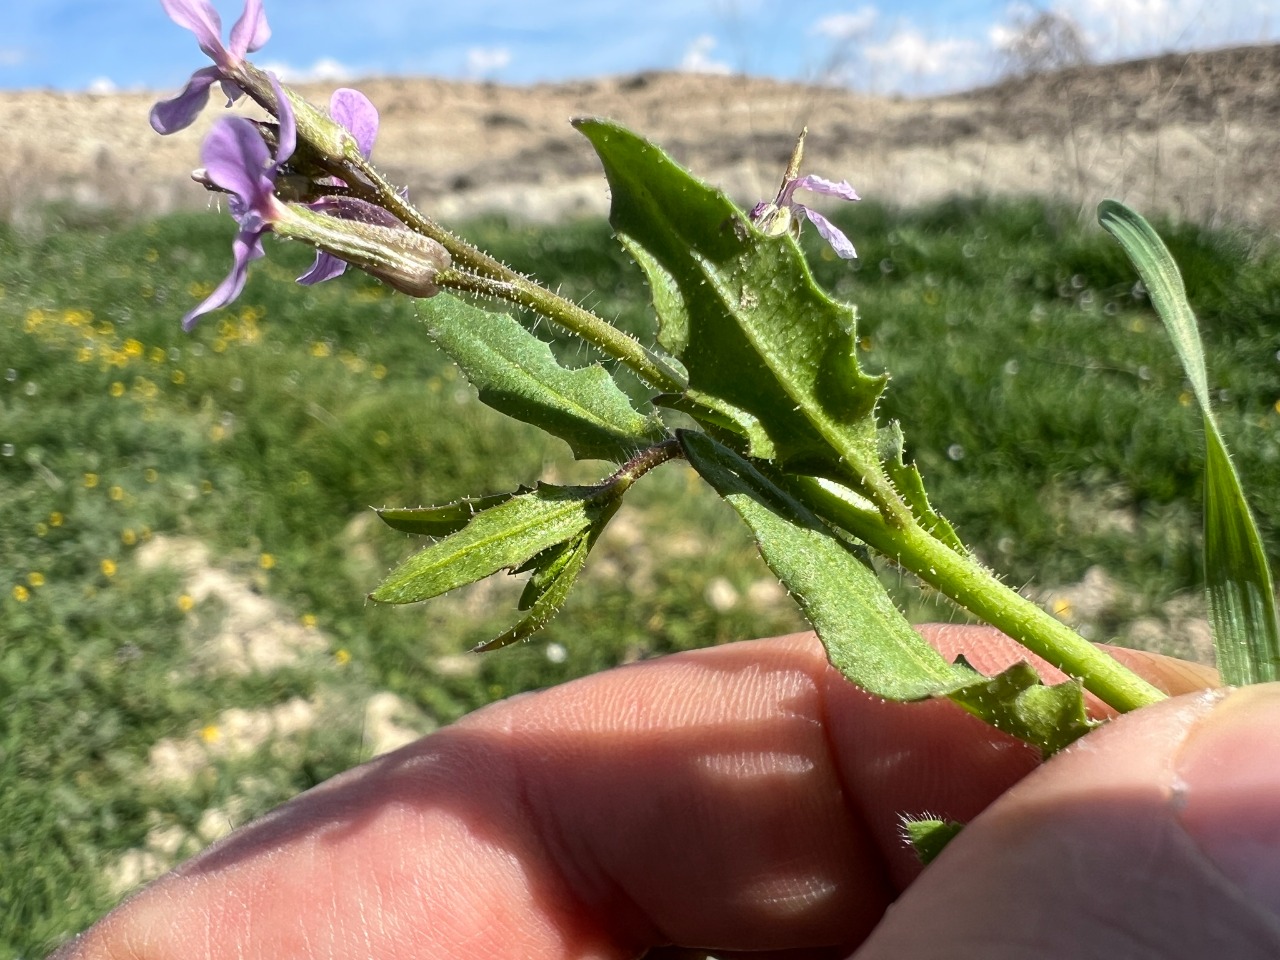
(1242, 605)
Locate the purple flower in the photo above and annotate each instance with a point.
(356, 112)
(784, 211)
(249, 33)
(782, 214)
(237, 160)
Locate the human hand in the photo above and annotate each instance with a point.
(746, 798)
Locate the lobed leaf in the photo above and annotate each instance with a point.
(762, 344)
(517, 374)
(1242, 603)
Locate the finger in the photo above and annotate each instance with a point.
(743, 796)
(1158, 836)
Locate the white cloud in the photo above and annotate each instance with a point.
(13, 56)
(697, 57)
(326, 69)
(909, 53)
(102, 86)
(845, 27)
(485, 61)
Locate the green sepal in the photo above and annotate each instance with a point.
(742, 312)
(1018, 703)
(442, 520)
(501, 538)
(928, 836)
(517, 374)
(867, 639)
(1241, 592)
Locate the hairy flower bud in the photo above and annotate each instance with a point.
(368, 237)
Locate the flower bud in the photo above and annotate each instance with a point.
(369, 238)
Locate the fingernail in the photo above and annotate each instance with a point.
(1230, 769)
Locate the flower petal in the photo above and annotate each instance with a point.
(828, 188)
(326, 267)
(287, 138)
(250, 31)
(246, 248)
(830, 232)
(170, 116)
(237, 160)
(356, 112)
(202, 19)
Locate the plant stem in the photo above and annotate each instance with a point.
(477, 272)
(973, 587)
(585, 324)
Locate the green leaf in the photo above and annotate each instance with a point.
(1016, 702)
(548, 588)
(866, 637)
(754, 331)
(517, 374)
(910, 486)
(928, 836)
(1242, 604)
(500, 538)
(444, 519)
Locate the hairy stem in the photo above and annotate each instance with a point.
(976, 589)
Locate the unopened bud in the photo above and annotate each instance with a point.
(377, 243)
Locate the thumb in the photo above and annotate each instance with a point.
(1156, 836)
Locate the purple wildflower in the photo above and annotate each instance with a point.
(237, 160)
(249, 33)
(782, 214)
(353, 110)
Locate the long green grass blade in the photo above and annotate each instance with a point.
(1242, 604)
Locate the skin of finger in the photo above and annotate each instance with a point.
(1091, 856)
(718, 797)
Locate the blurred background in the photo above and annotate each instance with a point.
(186, 538)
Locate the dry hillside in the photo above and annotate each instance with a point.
(1192, 134)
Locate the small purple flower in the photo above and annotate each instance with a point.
(237, 160)
(782, 214)
(356, 112)
(249, 34)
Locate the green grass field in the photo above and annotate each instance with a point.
(1037, 392)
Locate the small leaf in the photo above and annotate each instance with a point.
(502, 537)
(553, 586)
(517, 374)
(865, 636)
(1016, 702)
(1242, 603)
(442, 520)
(910, 486)
(928, 836)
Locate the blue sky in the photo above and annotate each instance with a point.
(907, 46)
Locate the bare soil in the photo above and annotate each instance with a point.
(1192, 135)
